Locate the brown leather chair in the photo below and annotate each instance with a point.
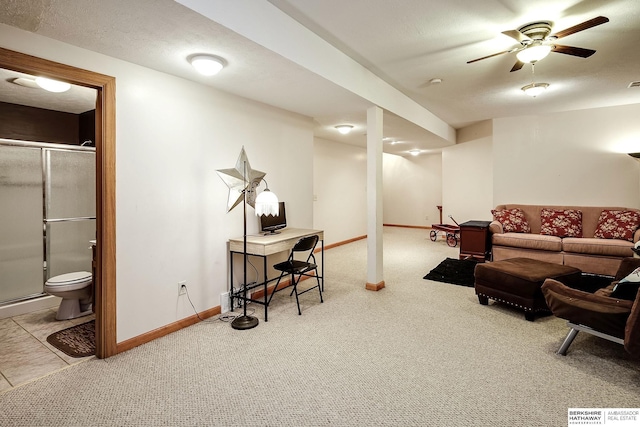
(598, 313)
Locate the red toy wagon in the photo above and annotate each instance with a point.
(452, 232)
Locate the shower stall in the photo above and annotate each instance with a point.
(47, 215)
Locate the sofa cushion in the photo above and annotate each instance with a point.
(528, 241)
(561, 222)
(512, 220)
(594, 246)
(617, 224)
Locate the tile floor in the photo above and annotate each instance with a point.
(25, 354)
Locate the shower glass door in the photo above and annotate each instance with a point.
(70, 209)
(21, 242)
(47, 215)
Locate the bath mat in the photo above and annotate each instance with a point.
(76, 341)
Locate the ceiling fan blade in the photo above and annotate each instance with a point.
(518, 65)
(575, 51)
(517, 35)
(580, 27)
(490, 56)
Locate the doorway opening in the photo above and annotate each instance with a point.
(105, 278)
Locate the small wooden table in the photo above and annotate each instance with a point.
(475, 240)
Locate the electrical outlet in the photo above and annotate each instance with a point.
(426, 217)
(182, 287)
(225, 302)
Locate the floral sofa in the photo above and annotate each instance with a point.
(593, 239)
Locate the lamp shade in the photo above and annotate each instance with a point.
(267, 203)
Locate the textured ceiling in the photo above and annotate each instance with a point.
(405, 43)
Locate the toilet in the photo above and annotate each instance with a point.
(76, 291)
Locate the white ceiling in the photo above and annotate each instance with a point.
(406, 43)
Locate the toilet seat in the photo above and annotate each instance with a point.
(69, 281)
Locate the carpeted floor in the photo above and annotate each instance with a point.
(408, 355)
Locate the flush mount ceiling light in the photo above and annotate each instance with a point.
(535, 89)
(23, 81)
(207, 65)
(344, 129)
(534, 52)
(52, 85)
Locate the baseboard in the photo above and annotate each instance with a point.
(374, 286)
(422, 227)
(165, 330)
(344, 242)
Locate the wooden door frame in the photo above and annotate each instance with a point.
(105, 280)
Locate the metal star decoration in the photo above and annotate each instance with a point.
(239, 178)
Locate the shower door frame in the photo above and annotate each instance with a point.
(105, 278)
(45, 164)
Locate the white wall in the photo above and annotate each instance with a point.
(340, 190)
(570, 158)
(467, 181)
(171, 136)
(412, 189)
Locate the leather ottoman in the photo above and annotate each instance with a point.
(517, 281)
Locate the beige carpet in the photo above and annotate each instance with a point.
(417, 353)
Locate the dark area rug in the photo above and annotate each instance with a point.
(460, 272)
(454, 271)
(76, 341)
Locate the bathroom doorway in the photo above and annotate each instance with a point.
(105, 278)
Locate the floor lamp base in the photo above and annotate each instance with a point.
(244, 322)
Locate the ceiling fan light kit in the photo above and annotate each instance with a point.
(536, 42)
(535, 89)
(534, 53)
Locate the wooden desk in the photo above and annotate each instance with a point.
(264, 245)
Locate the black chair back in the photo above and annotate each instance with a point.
(306, 244)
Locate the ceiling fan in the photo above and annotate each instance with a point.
(536, 42)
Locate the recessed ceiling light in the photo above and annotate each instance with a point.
(414, 152)
(207, 65)
(52, 85)
(344, 129)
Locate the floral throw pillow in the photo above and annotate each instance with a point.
(512, 220)
(617, 225)
(561, 223)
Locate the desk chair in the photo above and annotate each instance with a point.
(299, 268)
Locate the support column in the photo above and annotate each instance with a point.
(375, 280)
